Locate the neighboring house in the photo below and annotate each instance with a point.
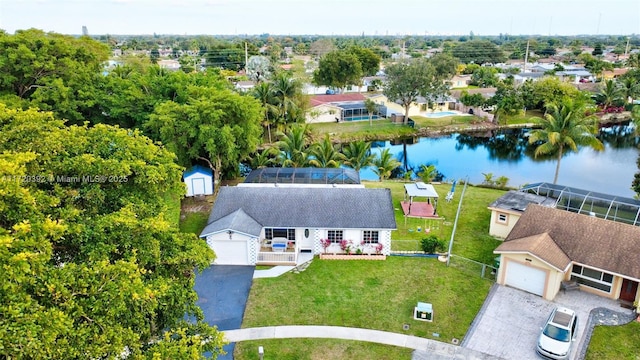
(245, 85)
(199, 181)
(460, 81)
(548, 246)
(507, 209)
(338, 107)
(246, 223)
(169, 64)
(420, 107)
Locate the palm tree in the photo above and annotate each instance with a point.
(564, 127)
(265, 93)
(609, 94)
(427, 173)
(293, 148)
(630, 88)
(285, 90)
(325, 154)
(263, 158)
(371, 107)
(358, 155)
(384, 165)
(634, 61)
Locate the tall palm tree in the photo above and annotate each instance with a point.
(609, 94)
(325, 155)
(358, 155)
(371, 108)
(285, 90)
(293, 147)
(265, 93)
(564, 127)
(384, 165)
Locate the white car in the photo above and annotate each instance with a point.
(558, 334)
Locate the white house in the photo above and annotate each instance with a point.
(199, 181)
(273, 224)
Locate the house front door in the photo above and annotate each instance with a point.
(629, 290)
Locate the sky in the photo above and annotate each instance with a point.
(324, 17)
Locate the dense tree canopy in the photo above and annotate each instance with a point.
(338, 69)
(478, 52)
(93, 264)
(55, 72)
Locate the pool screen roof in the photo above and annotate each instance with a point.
(273, 175)
(605, 206)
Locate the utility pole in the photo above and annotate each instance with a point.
(455, 222)
(626, 49)
(526, 58)
(246, 57)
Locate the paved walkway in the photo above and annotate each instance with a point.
(434, 349)
(276, 271)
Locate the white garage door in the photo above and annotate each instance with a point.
(230, 252)
(526, 278)
(197, 185)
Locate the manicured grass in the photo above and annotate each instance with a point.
(360, 130)
(173, 208)
(525, 118)
(615, 342)
(313, 349)
(472, 238)
(193, 222)
(376, 295)
(446, 121)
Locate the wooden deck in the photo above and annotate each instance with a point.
(418, 209)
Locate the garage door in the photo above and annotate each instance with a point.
(230, 252)
(525, 278)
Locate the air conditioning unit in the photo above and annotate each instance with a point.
(423, 312)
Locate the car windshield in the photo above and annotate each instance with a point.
(557, 333)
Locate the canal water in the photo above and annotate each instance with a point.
(507, 153)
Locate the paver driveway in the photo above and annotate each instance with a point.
(509, 322)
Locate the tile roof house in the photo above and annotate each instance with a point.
(246, 222)
(549, 246)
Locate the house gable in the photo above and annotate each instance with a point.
(603, 244)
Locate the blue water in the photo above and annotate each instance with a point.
(458, 156)
(359, 118)
(442, 114)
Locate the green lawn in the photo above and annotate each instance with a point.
(376, 295)
(472, 238)
(319, 349)
(360, 130)
(193, 222)
(446, 121)
(615, 342)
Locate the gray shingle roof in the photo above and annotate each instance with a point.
(518, 201)
(341, 208)
(542, 246)
(238, 220)
(589, 240)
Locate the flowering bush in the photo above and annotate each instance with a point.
(345, 246)
(325, 243)
(379, 247)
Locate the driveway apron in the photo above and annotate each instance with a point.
(223, 291)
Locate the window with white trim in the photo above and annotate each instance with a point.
(592, 278)
(502, 218)
(335, 236)
(289, 234)
(370, 236)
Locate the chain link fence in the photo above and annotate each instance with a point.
(473, 267)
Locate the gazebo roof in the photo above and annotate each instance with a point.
(420, 189)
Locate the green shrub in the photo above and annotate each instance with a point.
(431, 244)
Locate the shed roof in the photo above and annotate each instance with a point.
(341, 208)
(420, 189)
(198, 169)
(588, 240)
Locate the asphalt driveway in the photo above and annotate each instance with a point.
(222, 295)
(509, 322)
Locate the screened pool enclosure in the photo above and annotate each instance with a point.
(605, 206)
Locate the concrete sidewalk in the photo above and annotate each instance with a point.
(437, 349)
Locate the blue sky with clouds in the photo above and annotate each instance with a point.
(326, 17)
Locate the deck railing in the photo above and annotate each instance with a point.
(275, 258)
